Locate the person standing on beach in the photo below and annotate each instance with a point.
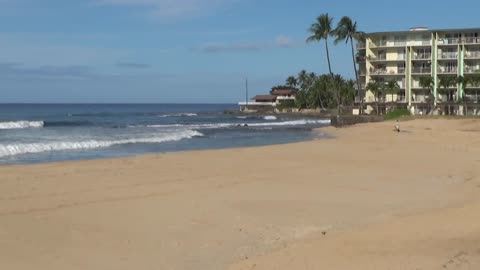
(397, 126)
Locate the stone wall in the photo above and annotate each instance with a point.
(348, 120)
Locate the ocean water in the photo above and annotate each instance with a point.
(33, 133)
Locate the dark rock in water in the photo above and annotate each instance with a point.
(245, 125)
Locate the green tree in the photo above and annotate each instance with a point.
(321, 29)
(392, 87)
(302, 79)
(447, 82)
(427, 83)
(474, 80)
(301, 99)
(291, 82)
(347, 30)
(376, 89)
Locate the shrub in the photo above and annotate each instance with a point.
(397, 113)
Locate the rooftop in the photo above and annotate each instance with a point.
(425, 30)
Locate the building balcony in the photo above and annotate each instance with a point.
(379, 58)
(445, 70)
(381, 43)
(421, 70)
(448, 56)
(399, 44)
(420, 98)
(472, 40)
(421, 43)
(385, 72)
(449, 41)
(422, 56)
(472, 55)
(471, 69)
(416, 85)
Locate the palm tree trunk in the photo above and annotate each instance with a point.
(356, 76)
(328, 59)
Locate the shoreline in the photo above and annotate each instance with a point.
(315, 135)
(266, 206)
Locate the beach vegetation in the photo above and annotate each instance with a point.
(397, 113)
(323, 91)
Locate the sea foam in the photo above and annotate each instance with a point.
(29, 148)
(179, 115)
(226, 125)
(21, 124)
(269, 117)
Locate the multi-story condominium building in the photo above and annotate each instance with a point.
(406, 56)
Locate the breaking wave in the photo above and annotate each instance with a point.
(179, 115)
(29, 148)
(269, 117)
(21, 124)
(225, 125)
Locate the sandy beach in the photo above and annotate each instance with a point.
(367, 198)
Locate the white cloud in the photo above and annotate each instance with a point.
(286, 42)
(171, 9)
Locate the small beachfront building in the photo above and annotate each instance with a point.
(269, 102)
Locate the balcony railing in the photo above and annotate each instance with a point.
(472, 40)
(472, 54)
(449, 41)
(419, 98)
(470, 69)
(381, 43)
(399, 43)
(416, 85)
(422, 56)
(378, 71)
(447, 70)
(448, 55)
(386, 72)
(421, 70)
(381, 57)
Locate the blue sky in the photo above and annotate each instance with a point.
(183, 51)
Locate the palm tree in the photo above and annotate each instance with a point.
(301, 99)
(474, 80)
(321, 29)
(347, 30)
(374, 87)
(291, 82)
(447, 82)
(428, 84)
(392, 87)
(302, 79)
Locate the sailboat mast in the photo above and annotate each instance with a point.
(246, 92)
